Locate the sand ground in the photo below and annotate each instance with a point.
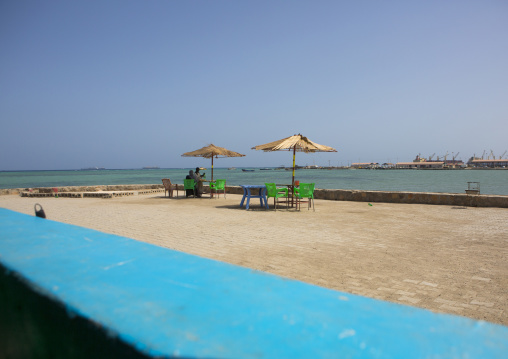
(443, 258)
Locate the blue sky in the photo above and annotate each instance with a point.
(127, 84)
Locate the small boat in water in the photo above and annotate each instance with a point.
(232, 168)
(246, 170)
(265, 169)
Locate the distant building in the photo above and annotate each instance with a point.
(420, 162)
(454, 164)
(365, 165)
(418, 165)
(478, 162)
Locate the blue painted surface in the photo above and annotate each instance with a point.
(168, 303)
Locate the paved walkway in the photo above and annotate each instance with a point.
(446, 259)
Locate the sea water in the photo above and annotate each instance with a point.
(445, 181)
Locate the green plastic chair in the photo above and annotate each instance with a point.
(217, 186)
(276, 192)
(189, 184)
(305, 190)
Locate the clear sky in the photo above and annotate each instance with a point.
(127, 84)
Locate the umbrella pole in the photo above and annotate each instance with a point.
(211, 193)
(293, 180)
(294, 152)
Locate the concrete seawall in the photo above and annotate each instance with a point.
(451, 199)
(65, 189)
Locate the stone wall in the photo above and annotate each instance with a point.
(129, 187)
(450, 199)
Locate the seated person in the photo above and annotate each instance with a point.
(199, 174)
(198, 188)
(189, 192)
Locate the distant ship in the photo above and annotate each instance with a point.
(244, 170)
(232, 168)
(265, 169)
(291, 168)
(151, 168)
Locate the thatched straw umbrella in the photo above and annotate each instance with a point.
(212, 151)
(294, 143)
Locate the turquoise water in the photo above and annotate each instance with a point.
(450, 181)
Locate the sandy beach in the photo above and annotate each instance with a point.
(443, 258)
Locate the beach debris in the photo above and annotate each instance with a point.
(39, 212)
(370, 204)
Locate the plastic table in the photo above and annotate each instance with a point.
(247, 194)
